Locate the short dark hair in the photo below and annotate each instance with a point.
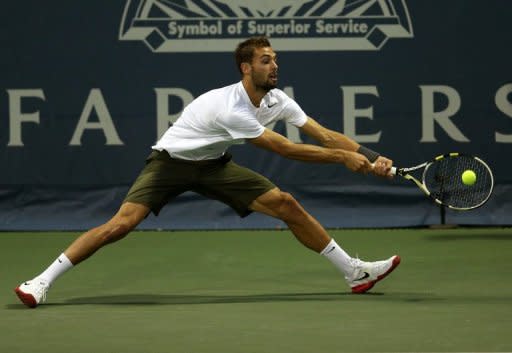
(245, 50)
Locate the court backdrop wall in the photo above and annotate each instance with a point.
(87, 87)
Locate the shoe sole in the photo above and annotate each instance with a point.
(27, 299)
(362, 288)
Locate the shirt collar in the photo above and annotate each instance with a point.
(268, 99)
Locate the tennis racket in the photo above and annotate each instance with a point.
(441, 180)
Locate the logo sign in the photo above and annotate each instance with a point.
(292, 25)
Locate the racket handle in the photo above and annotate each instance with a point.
(392, 171)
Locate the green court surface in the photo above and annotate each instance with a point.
(261, 291)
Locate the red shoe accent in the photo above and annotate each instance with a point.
(27, 299)
(362, 288)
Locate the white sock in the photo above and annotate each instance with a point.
(339, 258)
(57, 268)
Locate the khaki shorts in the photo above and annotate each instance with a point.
(163, 178)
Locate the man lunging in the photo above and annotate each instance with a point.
(192, 156)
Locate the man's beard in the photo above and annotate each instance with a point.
(264, 85)
(267, 86)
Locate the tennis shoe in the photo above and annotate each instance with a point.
(33, 292)
(366, 274)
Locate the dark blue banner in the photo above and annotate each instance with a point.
(87, 87)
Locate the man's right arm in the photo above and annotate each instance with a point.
(279, 144)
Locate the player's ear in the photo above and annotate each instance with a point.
(246, 68)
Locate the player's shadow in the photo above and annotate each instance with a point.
(195, 299)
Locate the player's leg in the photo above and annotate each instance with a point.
(282, 205)
(33, 292)
(360, 275)
(151, 191)
(246, 191)
(124, 221)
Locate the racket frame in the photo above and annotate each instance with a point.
(404, 172)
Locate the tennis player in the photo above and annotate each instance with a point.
(192, 156)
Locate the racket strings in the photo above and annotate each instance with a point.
(443, 179)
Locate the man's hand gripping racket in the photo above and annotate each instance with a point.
(442, 180)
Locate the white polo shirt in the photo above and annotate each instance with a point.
(223, 117)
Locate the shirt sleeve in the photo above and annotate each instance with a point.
(291, 112)
(241, 127)
(294, 114)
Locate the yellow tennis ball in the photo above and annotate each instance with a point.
(468, 177)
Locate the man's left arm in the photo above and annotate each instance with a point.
(333, 139)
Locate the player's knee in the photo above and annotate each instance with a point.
(122, 223)
(289, 207)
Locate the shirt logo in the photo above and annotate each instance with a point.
(293, 25)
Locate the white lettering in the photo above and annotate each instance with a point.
(191, 30)
(350, 113)
(505, 106)
(95, 101)
(16, 117)
(292, 132)
(340, 28)
(430, 117)
(269, 29)
(164, 119)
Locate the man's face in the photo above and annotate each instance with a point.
(264, 68)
